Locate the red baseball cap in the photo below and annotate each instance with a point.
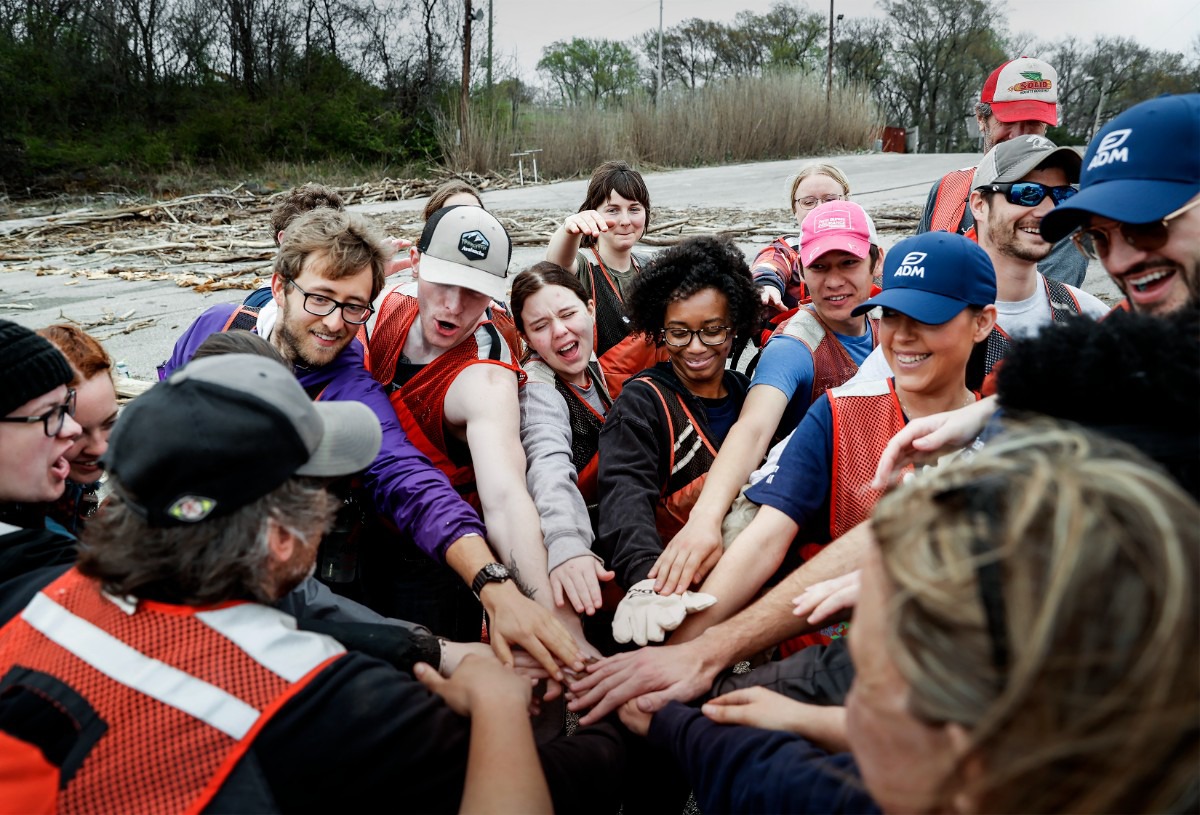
(1023, 90)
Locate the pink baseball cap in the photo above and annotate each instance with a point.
(1023, 90)
(836, 225)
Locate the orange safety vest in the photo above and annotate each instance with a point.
(621, 353)
(166, 699)
(865, 417)
(1123, 305)
(832, 364)
(950, 203)
(420, 403)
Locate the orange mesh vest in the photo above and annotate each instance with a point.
(950, 203)
(621, 354)
(832, 365)
(690, 457)
(865, 417)
(420, 403)
(178, 693)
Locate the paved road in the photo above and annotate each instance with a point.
(877, 179)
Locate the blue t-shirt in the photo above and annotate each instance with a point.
(799, 487)
(721, 414)
(786, 364)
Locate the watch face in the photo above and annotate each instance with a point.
(496, 571)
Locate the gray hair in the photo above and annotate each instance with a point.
(208, 562)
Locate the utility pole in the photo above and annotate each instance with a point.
(489, 65)
(658, 87)
(828, 75)
(464, 99)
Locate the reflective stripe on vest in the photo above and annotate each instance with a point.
(950, 203)
(181, 693)
(687, 472)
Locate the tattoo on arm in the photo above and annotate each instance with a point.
(515, 572)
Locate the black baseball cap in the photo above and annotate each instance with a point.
(221, 432)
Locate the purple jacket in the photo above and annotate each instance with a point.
(407, 489)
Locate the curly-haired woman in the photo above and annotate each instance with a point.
(661, 435)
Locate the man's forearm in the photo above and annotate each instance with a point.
(770, 620)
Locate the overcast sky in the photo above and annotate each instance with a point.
(524, 27)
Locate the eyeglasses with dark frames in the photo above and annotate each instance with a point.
(1031, 193)
(811, 201)
(321, 306)
(1094, 243)
(53, 419)
(709, 335)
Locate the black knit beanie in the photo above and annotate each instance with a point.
(29, 366)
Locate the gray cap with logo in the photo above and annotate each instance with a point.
(1012, 160)
(466, 246)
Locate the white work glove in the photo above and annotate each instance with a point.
(645, 616)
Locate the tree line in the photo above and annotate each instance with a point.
(922, 61)
(86, 84)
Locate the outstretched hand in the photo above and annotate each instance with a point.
(516, 619)
(578, 580)
(924, 440)
(688, 558)
(588, 222)
(652, 676)
(829, 601)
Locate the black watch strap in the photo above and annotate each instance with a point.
(490, 573)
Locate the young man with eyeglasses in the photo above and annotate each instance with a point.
(329, 268)
(37, 429)
(1020, 98)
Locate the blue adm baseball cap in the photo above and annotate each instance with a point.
(933, 276)
(1142, 166)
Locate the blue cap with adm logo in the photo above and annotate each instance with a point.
(1141, 167)
(933, 276)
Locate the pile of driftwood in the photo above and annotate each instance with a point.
(222, 240)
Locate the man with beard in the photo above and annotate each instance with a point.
(154, 676)
(329, 267)
(1018, 182)
(1020, 98)
(1138, 210)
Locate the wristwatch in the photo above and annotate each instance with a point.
(491, 573)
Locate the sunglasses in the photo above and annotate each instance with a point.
(1031, 193)
(1095, 244)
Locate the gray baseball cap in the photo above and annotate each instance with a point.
(466, 246)
(224, 431)
(1014, 159)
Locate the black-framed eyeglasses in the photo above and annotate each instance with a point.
(1031, 193)
(1095, 243)
(321, 306)
(53, 419)
(811, 201)
(709, 335)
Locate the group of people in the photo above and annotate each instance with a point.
(381, 525)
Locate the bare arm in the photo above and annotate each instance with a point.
(657, 675)
(751, 560)
(483, 399)
(694, 551)
(504, 773)
(564, 243)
